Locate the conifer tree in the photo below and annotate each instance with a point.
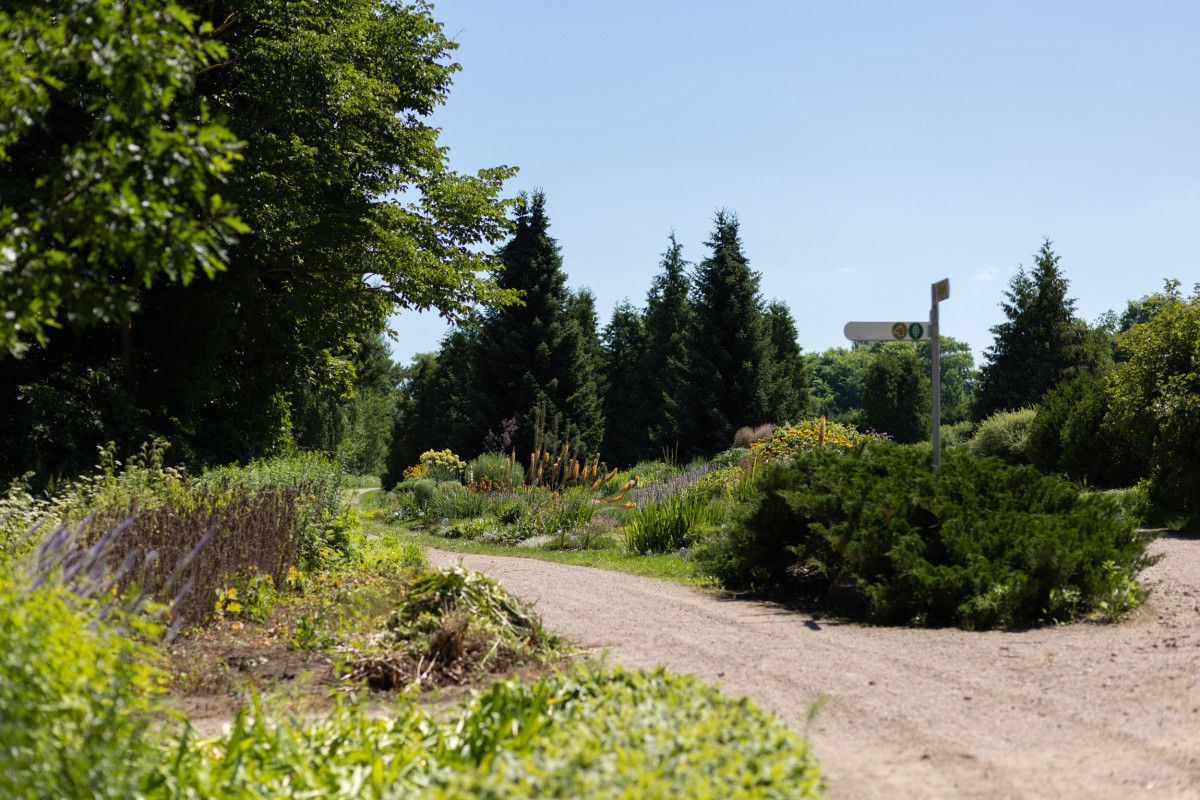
(1041, 344)
(728, 367)
(629, 386)
(896, 396)
(788, 393)
(668, 321)
(537, 352)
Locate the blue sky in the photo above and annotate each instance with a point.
(869, 149)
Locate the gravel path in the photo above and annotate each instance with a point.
(1081, 711)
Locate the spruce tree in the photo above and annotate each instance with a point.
(728, 364)
(788, 392)
(537, 352)
(1041, 344)
(628, 386)
(667, 324)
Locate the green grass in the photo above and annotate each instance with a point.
(667, 566)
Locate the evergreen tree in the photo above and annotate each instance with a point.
(1041, 344)
(896, 396)
(537, 352)
(667, 323)
(788, 392)
(728, 365)
(437, 407)
(628, 386)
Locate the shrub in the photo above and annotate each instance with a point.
(810, 434)
(958, 434)
(1156, 396)
(497, 469)
(979, 545)
(443, 465)
(1002, 435)
(1072, 434)
(423, 491)
(729, 458)
(74, 695)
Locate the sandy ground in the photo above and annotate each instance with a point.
(1082, 711)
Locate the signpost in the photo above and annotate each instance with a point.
(914, 332)
(888, 331)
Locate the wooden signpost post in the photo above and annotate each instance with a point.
(914, 332)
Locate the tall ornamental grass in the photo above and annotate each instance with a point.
(667, 525)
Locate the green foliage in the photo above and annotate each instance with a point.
(423, 491)
(787, 393)
(1003, 435)
(839, 377)
(108, 183)
(1156, 396)
(74, 692)
(496, 469)
(668, 320)
(1040, 345)
(354, 213)
(1072, 434)
(630, 392)
(539, 352)
(669, 524)
(443, 465)
(729, 458)
(584, 734)
(897, 397)
(728, 370)
(979, 545)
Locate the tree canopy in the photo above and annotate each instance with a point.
(108, 178)
(312, 121)
(1156, 395)
(728, 366)
(1041, 344)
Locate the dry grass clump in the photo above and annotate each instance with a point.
(748, 435)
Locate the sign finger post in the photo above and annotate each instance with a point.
(914, 332)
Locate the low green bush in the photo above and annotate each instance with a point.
(495, 469)
(979, 545)
(1002, 436)
(423, 491)
(729, 458)
(74, 692)
(587, 734)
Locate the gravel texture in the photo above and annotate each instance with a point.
(1081, 711)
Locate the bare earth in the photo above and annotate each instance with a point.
(1082, 711)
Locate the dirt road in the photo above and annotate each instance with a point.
(1082, 711)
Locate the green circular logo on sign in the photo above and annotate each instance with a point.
(915, 330)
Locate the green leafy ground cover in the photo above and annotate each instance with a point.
(368, 615)
(585, 731)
